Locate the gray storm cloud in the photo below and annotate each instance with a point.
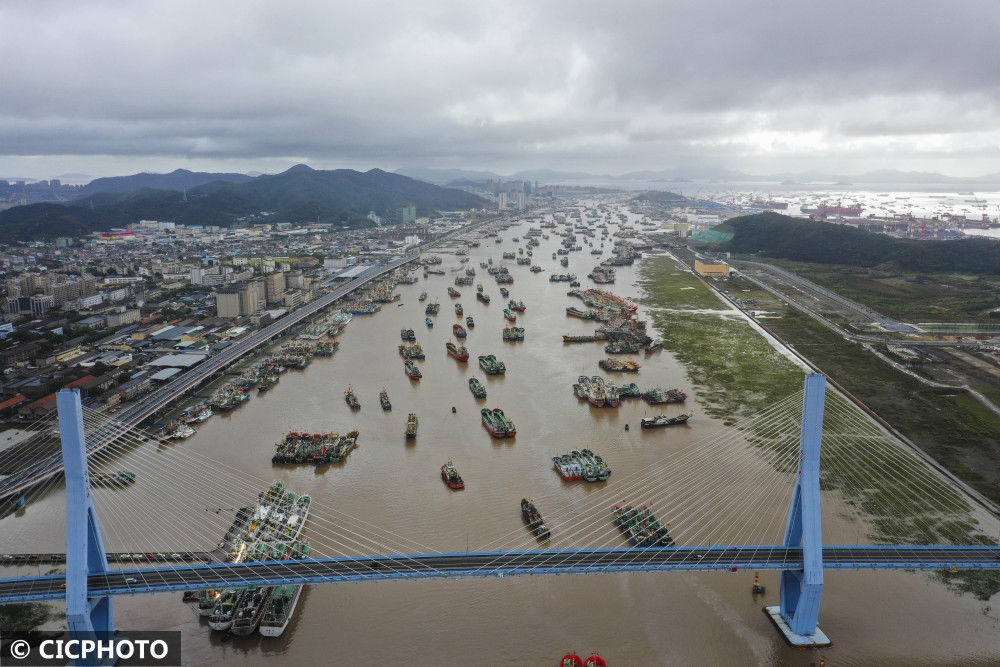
(598, 86)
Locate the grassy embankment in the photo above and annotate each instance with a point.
(907, 295)
(735, 373)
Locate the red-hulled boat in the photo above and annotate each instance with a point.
(457, 352)
(451, 477)
(571, 660)
(459, 330)
(594, 660)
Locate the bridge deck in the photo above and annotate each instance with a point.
(519, 563)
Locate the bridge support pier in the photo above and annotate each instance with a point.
(88, 616)
(801, 590)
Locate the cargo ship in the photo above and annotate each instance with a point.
(411, 370)
(826, 209)
(454, 293)
(513, 334)
(459, 330)
(497, 423)
(456, 352)
(469, 322)
(383, 399)
(509, 315)
(641, 526)
(351, 398)
(663, 420)
(533, 519)
(615, 366)
(249, 610)
(490, 364)
(459, 311)
(449, 473)
(485, 298)
(477, 388)
(411, 425)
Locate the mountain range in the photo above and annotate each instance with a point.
(342, 196)
(547, 176)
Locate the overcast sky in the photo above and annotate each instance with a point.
(607, 87)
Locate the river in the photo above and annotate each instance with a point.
(642, 619)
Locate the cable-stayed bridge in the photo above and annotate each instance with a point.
(747, 497)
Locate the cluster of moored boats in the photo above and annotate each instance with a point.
(314, 448)
(583, 464)
(604, 394)
(269, 531)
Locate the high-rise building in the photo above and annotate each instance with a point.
(274, 286)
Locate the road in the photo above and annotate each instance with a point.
(518, 563)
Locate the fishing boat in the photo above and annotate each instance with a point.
(482, 296)
(250, 610)
(411, 425)
(449, 473)
(454, 293)
(459, 330)
(641, 526)
(221, 617)
(411, 351)
(422, 297)
(615, 366)
(407, 335)
(429, 322)
(504, 292)
(458, 310)
(517, 306)
(496, 426)
(533, 518)
(477, 388)
(660, 396)
(351, 398)
(594, 660)
(568, 467)
(411, 370)
(509, 315)
(663, 420)
(432, 308)
(513, 334)
(279, 610)
(383, 399)
(456, 352)
(490, 364)
(469, 322)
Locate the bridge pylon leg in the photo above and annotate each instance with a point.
(801, 590)
(88, 616)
